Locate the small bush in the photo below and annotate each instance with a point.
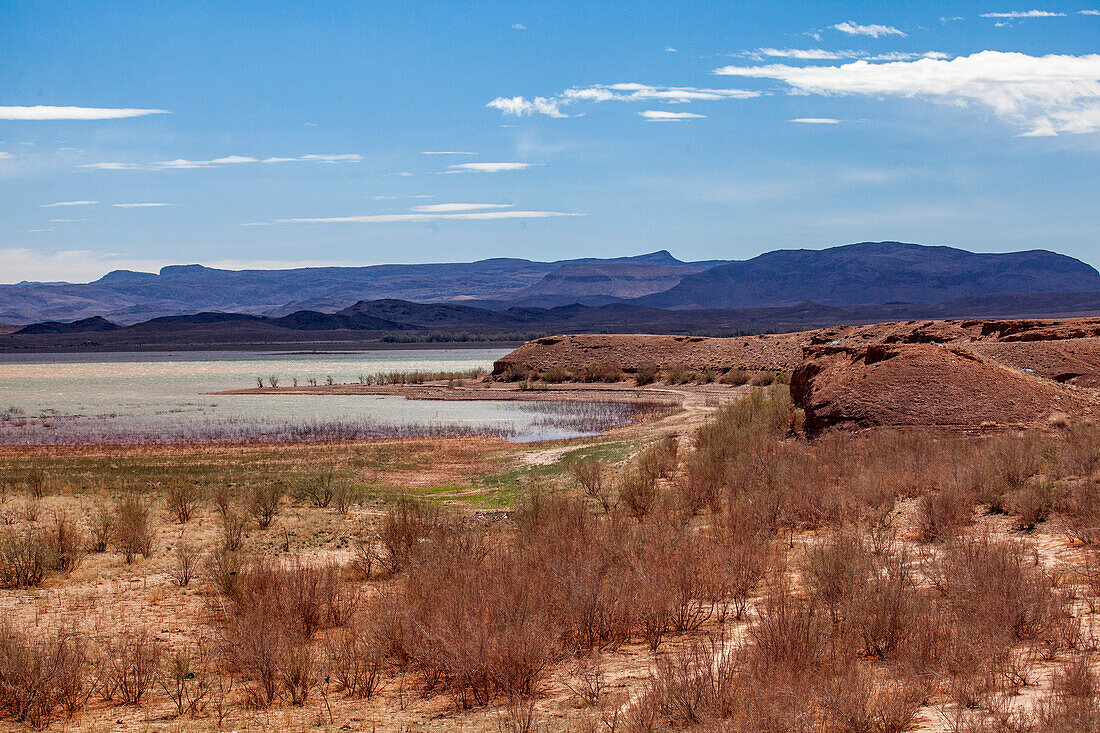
(356, 661)
(637, 492)
(129, 662)
(101, 528)
(942, 512)
(646, 373)
(762, 379)
(233, 525)
(407, 523)
(42, 675)
(183, 500)
(555, 375)
(601, 372)
(185, 564)
(134, 530)
(263, 503)
(318, 489)
(589, 475)
(69, 544)
(736, 377)
(25, 558)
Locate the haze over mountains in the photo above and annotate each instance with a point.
(857, 274)
(516, 298)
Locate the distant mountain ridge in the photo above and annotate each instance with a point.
(856, 275)
(129, 297)
(874, 273)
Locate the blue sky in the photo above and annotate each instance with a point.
(281, 134)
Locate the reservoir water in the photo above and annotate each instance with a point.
(159, 397)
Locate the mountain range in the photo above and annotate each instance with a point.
(654, 292)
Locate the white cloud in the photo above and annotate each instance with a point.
(184, 163)
(444, 208)
(447, 152)
(1045, 94)
(670, 49)
(656, 115)
(69, 203)
(1025, 14)
(389, 218)
(519, 27)
(60, 221)
(140, 206)
(873, 30)
(41, 112)
(1088, 12)
(487, 167)
(820, 54)
(621, 92)
(947, 19)
(523, 107)
(114, 166)
(816, 120)
(5, 156)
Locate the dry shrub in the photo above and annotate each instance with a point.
(233, 525)
(128, 663)
(693, 682)
(26, 557)
(941, 513)
(788, 633)
(854, 700)
(762, 379)
(42, 675)
(737, 561)
(101, 528)
(736, 377)
(68, 543)
(589, 475)
(185, 565)
(134, 530)
(222, 496)
(1080, 509)
(646, 373)
(479, 626)
(186, 681)
(637, 491)
(263, 503)
(38, 483)
(356, 659)
(1032, 504)
(555, 375)
(296, 595)
(183, 499)
(318, 489)
(406, 525)
(601, 372)
(1074, 701)
(994, 586)
(222, 569)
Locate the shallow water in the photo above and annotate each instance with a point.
(158, 397)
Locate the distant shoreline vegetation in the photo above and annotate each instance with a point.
(550, 420)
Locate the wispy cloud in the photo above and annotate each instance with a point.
(670, 49)
(41, 112)
(488, 167)
(1017, 14)
(61, 221)
(820, 54)
(447, 152)
(68, 203)
(1045, 94)
(420, 217)
(816, 120)
(445, 208)
(656, 115)
(228, 160)
(873, 30)
(140, 206)
(519, 27)
(621, 92)
(1088, 12)
(5, 155)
